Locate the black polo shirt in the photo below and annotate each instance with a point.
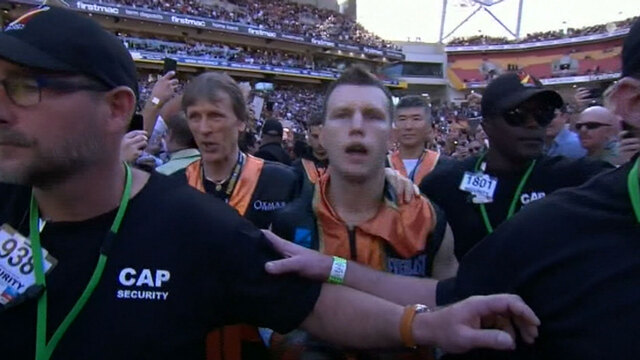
(210, 263)
(576, 262)
(465, 218)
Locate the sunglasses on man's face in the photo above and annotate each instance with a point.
(518, 116)
(590, 125)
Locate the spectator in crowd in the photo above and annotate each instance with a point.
(132, 145)
(513, 170)
(180, 145)
(414, 131)
(284, 16)
(163, 90)
(59, 145)
(559, 140)
(271, 143)
(476, 148)
(598, 128)
(541, 252)
(247, 143)
(313, 163)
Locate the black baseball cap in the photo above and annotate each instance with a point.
(59, 40)
(512, 89)
(272, 127)
(631, 52)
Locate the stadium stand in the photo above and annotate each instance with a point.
(542, 36)
(600, 57)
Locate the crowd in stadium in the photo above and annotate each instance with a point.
(285, 16)
(542, 36)
(239, 53)
(242, 216)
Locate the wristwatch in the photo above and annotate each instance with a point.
(155, 101)
(406, 323)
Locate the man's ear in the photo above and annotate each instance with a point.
(242, 126)
(624, 100)
(122, 105)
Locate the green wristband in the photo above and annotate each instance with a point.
(338, 271)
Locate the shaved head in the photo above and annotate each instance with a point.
(597, 127)
(598, 114)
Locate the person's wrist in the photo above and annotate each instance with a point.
(425, 329)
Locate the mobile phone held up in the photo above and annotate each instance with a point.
(169, 65)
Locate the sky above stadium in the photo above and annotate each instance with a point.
(400, 19)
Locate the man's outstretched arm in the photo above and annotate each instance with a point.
(353, 319)
(311, 264)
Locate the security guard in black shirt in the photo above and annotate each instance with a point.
(481, 192)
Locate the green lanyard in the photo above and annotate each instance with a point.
(44, 350)
(514, 201)
(633, 184)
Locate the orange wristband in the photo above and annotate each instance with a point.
(406, 323)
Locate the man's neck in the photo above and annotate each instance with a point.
(500, 163)
(411, 152)
(356, 202)
(83, 196)
(596, 153)
(221, 170)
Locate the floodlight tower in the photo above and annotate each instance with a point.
(475, 6)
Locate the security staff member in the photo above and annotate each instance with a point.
(216, 114)
(479, 193)
(144, 267)
(414, 130)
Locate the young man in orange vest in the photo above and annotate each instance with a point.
(413, 131)
(353, 212)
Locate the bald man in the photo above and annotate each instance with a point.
(597, 128)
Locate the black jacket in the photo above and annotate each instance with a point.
(274, 152)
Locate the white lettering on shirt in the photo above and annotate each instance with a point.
(528, 198)
(268, 205)
(149, 278)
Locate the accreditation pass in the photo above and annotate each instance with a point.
(479, 184)
(16, 264)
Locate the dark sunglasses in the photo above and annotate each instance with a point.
(518, 117)
(590, 125)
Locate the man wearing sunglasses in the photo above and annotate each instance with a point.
(483, 191)
(597, 128)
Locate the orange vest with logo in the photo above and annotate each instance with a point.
(402, 227)
(227, 343)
